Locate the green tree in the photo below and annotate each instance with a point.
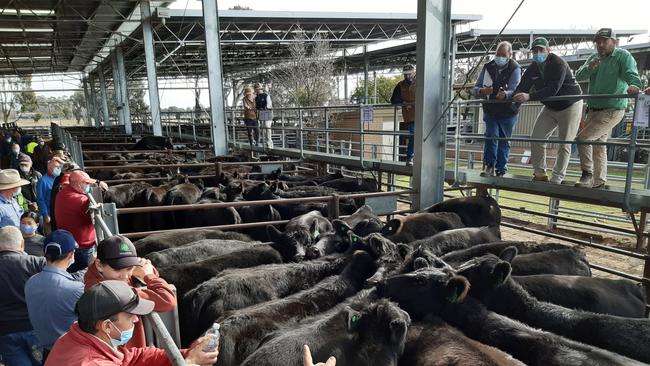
(385, 86)
(16, 97)
(37, 117)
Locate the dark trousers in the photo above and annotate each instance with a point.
(17, 349)
(82, 258)
(406, 140)
(253, 130)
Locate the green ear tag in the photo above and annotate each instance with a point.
(355, 318)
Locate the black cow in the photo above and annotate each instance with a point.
(196, 251)
(186, 276)
(300, 234)
(243, 330)
(372, 335)
(570, 262)
(433, 292)
(405, 229)
(491, 284)
(473, 211)
(388, 254)
(236, 289)
(619, 297)
(213, 216)
(182, 194)
(463, 255)
(153, 143)
(455, 239)
(250, 214)
(156, 242)
(435, 343)
(348, 184)
(419, 258)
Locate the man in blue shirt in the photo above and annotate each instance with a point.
(17, 339)
(44, 189)
(51, 295)
(10, 210)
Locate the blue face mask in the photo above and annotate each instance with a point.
(125, 336)
(86, 189)
(539, 57)
(27, 229)
(56, 172)
(500, 60)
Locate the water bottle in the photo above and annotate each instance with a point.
(213, 341)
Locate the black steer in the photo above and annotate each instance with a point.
(196, 251)
(156, 242)
(474, 211)
(406, 229)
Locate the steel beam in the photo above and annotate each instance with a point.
(104, 97)
(87, 101)
(215, 78)
(150, 58)
(93, 96)
(366, 66)
(124, 92)
(117, 92)
(432, 54)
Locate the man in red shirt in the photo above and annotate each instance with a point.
(71, 212)
(107, 314)
(117, 259)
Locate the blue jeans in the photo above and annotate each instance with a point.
(409, 145)
(82, 258)
(16, 349)
(495, 153)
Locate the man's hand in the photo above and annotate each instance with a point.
(33, 206)
(501, 95)
(307, 360)
(103, 186)
(647, 91)
(594, 63)
(486, 91)
(521, 97)
(196, 355)
(144, 268)
(47, 219)
(633, 90)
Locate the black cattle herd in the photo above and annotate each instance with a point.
(436, 287)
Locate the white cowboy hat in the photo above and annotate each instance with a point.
(10, 178)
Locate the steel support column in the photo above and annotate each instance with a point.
(93, 96)
(104, 97)
(345, 76)
(366, 66)
(117, 91)
(215, 78)
(150, 58)
(84, 83)
(124, 91)
(433, 45)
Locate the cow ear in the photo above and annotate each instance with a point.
(354, 239)
(284, 186)
(354, 318)
(273, 233)
(340, 227)
(392, 227)
(456, 289)
(403, 250)
(420, 263)
(313, 230)
(398, 330)
(501, 272)
(508, 254)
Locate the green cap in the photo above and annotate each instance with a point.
(539, 42)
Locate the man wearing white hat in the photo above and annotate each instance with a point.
(10, 210)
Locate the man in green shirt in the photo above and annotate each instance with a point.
(611, 70)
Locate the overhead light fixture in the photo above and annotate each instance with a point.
(25, 45)
(27, 12)
(27, 30)
(27, 58)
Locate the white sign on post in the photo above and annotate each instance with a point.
(265, 115)
(366, 114)
(642, 111)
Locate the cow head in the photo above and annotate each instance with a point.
(425, 291)
(392, 227)
(488, 272)
(260, 191)
(422, 258)
(292, 245)
(377, 245)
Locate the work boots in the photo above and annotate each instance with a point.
(488, 171)
(586, 180)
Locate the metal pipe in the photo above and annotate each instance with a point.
(168, 344)
(150, 61)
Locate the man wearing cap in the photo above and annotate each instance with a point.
(14, 159)
(10, 187)
(59, 182)
(262, 103)
(44, 189)
(71, 211)
(117, 259)
(498, 81)
(17, 339)
(548, 76)
(404, 94)
(32, 176)
(250, 116)
(41, 155)
(610, 70)
(51, 295)
(107, 314)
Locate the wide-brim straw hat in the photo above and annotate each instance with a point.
(10, 178)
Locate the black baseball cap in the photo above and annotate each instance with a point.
(118, 252)
(605, 33)
(108, 298)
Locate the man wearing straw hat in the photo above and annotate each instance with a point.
(10, 187)
(610, 70)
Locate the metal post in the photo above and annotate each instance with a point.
(117, 91)
(327, 133)
(553, 209)
(345, 75)
(374, 79)
(150, 59)
(89, 121)
(284, 137)
(395, 137)
(366, 65)
(300, 127)
(93, 96)
(104, 97)
(124, 91)
(457, 144)
(215, 79)
(433, 45)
